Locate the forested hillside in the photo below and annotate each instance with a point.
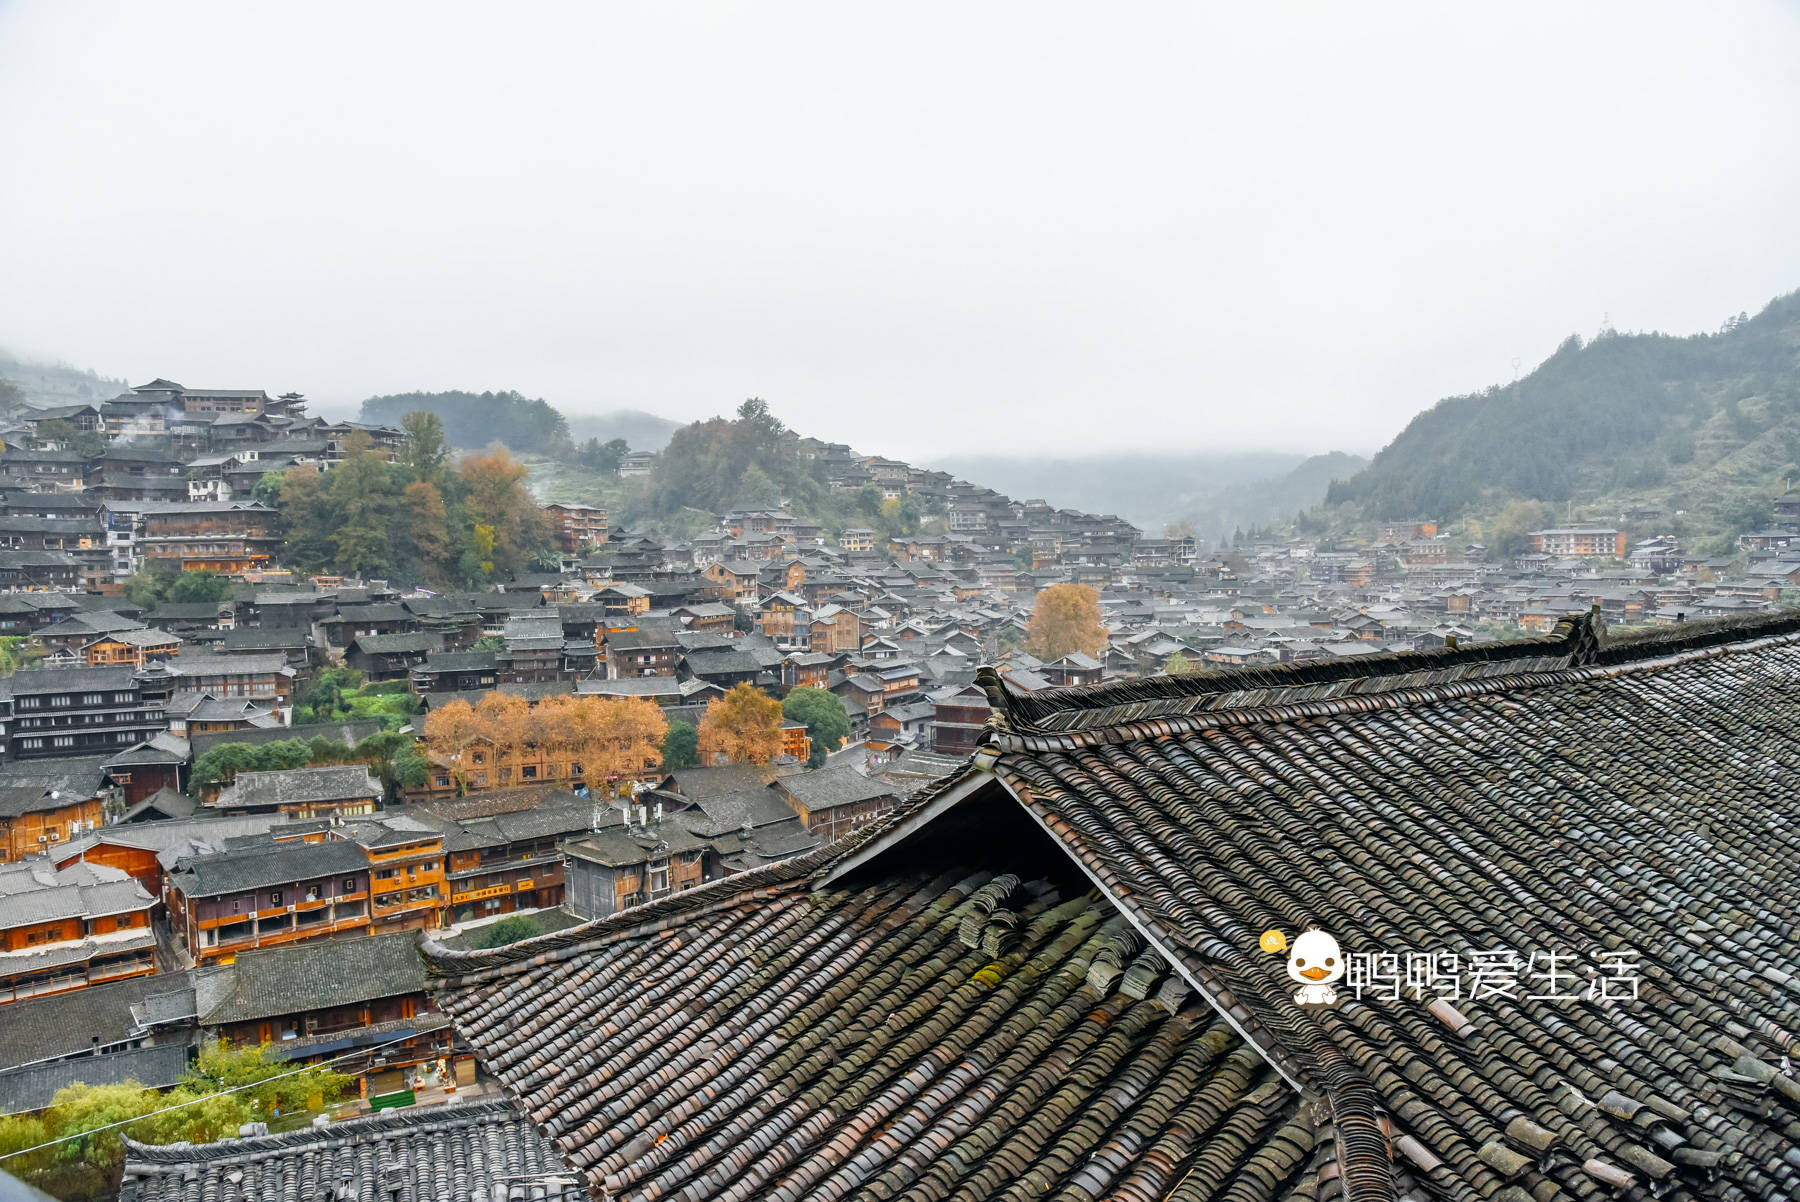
(1707, 425)
(477, 419)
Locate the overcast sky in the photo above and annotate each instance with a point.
(924, 229)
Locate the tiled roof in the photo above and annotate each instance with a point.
(938, 1032)
(317, 975)
(828, 787)
(296, 786)
(1573, 794)
(68, 1023)
(823, 1028)
(482, 1149)
(258, 867)
(34, 1087)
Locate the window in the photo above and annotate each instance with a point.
(350, 884)
(275, 898)
(93, 699)
(63, 741)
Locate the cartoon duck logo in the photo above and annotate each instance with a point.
(1315, 962)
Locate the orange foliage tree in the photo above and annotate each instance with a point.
(1065, 619)
(496, 497)
(604, 741)
(742, 727)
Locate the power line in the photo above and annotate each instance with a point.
(205, 1097)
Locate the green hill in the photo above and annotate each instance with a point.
(1706, 427)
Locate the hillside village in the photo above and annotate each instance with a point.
(233, 817)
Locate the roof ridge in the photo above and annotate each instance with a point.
(1146, 707)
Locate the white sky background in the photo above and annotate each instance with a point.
(923, 229)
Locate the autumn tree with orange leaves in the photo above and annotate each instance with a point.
(606, 742)
(742, 727)
(1065, 619)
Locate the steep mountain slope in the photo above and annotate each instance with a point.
(1708, 424)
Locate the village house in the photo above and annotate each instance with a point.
(44, 803)
(56, 712)
(739, 578)
(391, 656)
(70, 928)
(320, 1001)
(1580, 542)
(641, 653)
(576, 527)
(262, 676)
(267, 892)
(455, 672)
(630, 861)
(229, 537)
(835, 628)
(959, 716)
(406, 870)
(832, 802)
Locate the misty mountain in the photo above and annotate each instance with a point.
(1215, 492)
(1708, 423)
(643, 431)
(47, 384)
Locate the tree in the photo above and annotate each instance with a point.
(681, 746)
(149, 584)
(610, 741)
(19, 651)
(1512, 527)
(495, 497)
(198, 588)
(160, 580)
(323, 698)
(510, 929)
(742, 727)
(89, 1163)
(827, 721)
(424, 454)
(490, 642)
(1066, 619)
(1178, 665)
(602, 457)
(365, 501)
(308, 518)
(624, 737)
(422, 534)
